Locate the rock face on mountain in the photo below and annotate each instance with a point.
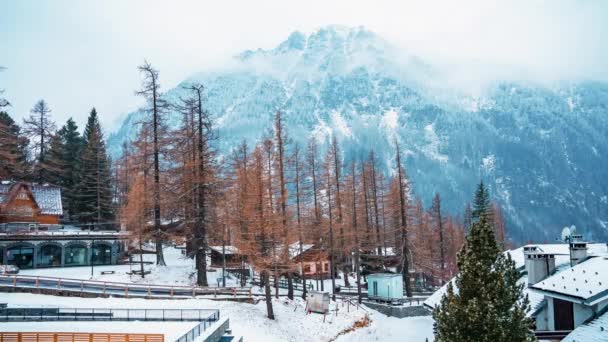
(542, 150)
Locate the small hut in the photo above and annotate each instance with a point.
(386, 287)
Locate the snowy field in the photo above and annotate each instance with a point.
(247, 320)
(179, 271)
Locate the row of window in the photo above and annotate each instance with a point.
(50, 256)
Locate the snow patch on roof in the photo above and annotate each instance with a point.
(594, 331)
(586, 280)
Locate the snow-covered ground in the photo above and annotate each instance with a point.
(384, 328)
(247, 320)
(179, 271)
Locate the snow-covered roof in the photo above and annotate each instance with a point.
(561, 252)
(229, 249)
(562, 263)
(294, 249)
(47, 197)
(594, 331)
(587, 281)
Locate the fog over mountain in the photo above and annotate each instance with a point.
(541, 147)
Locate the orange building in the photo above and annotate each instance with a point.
(30, 203)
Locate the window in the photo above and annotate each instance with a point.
(102, 254)
(307, 268)
(21, 256)
(326, 267)
(76, 255)
(49, 255)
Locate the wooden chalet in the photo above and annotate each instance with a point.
(314, 262)
(28, 203)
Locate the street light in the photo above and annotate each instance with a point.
(92, 251)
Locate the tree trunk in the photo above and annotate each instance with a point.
(404, 239)
(356, 234)
(268, 294)
(331, 241)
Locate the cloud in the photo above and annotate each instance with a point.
(80, 54)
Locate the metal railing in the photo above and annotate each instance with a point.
(106, 288)
(108, 314)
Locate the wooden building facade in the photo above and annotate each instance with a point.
(25, 203)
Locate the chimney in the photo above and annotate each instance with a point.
(578, 249)
(539, 265)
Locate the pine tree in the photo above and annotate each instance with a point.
(438, 220)
(481, 204)
(94, 189)
(39, 128)
(157, 106)
(13, 149)
(485, 302)
(53, 162)
(73, 145)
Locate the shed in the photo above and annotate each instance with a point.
(318, 302)
(385, 286)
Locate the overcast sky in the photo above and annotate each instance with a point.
(80, 54)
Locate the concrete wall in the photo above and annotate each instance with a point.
(399, 311)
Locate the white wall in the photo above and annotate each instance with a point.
(581, 313)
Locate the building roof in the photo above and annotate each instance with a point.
(562, 264)
(228, 249)
(594, 331)
(586, 281)
(294, 249)
(384, 275)
(561, 252)
(47, 197)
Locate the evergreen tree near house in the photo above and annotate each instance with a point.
(53, 162)
(64, 164)
(485, 302)
(94, 192)
(73, 146)
(13, 149)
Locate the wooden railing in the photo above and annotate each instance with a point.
(77, 337)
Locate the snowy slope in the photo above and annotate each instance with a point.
(542, 150)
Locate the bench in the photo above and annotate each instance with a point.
(107, 272)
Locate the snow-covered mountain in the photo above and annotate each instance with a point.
(542, 150)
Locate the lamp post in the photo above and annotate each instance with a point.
(92, 251)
